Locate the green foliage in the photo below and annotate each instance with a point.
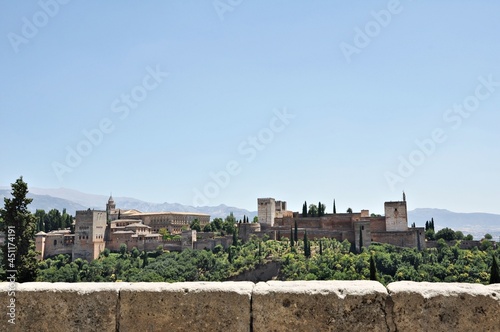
(495, 272)
(304, 210)
(313, 210)
(324, 259)
(296, 232)
(488, 236)
(195, 225)
(446, 234)
(373, 269)
(349, 210)
(19, 226)
(307, 246)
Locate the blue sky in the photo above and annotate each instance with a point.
(233, 100)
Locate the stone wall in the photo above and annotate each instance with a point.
(245, 306)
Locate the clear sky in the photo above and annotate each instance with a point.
(210, 102)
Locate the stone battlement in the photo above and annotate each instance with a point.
(245, 306)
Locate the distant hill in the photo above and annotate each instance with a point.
(73, 200)
(476, 224)
(47, 203)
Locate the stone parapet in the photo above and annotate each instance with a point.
(245, 306)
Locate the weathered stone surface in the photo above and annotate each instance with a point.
(198, 306)
(445, 306)
(61, 307)
(319, 306)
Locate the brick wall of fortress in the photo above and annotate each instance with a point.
(245, 306)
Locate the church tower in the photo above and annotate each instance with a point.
(111, 209)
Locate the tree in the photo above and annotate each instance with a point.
(307, 246)
(217, 224)
(304, 210)
(235, 237)
(296, 233)
(123, 249)
(446, 234)
(349, 210)
(19, 226)
(334, 207)
(255, 219)
(313, 210)
(373, 269)
(488, 236)
(320, 248)
(495, 272)
(207, 228)
(469, 237)
(291, 237)
(360, 238)
(195, 225)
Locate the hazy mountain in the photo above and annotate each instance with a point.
(47, 203)
(476, 224)
(74, 200)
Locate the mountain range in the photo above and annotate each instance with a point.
(72, 200)
(476, 224)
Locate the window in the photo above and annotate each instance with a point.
(55, 242)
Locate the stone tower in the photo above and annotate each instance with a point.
(111, 212)
(266, 210)
(396, 217)
(90, 228)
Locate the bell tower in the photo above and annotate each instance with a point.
(110, 208)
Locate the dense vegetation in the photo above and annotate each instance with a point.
(329, 260)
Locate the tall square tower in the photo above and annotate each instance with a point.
(90, 226)
(396, 217)
(266, 210)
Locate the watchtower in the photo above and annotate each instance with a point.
(266, 210)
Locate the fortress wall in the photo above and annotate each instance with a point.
(377, 224)
(244, 306)
(407, 239)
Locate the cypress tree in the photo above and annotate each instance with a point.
(495, 272)
(235, 237)
(373, 269)
(304, 210)
(320, 247)
(291, 237)
(19, 226)
(360, 238)
(296, 234)
(307, 246)
(334, 207)
(319, 209)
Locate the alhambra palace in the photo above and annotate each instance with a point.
(96, 230)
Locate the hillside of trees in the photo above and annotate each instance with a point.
(329, 260)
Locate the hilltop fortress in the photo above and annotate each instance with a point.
(96, 230)
(359, 228)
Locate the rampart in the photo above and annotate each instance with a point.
(245, 306)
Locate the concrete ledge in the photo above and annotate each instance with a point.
(211, 306)
(61, 307)
(445, 306)
(244, 306)
(319, 306)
